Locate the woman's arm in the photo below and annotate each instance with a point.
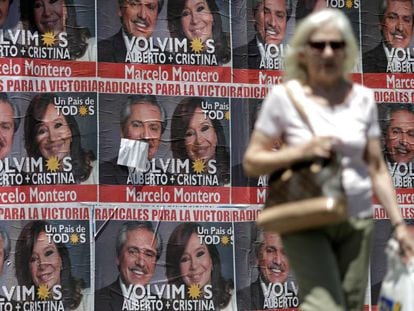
(384, 190)
(261, 158)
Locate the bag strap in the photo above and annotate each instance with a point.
(293, 88)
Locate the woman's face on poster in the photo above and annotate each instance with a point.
(53, 134)
(197, 20)
(200, 137)
(196, 264)
(50, 15)
(45, 262)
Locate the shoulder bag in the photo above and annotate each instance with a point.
(307, 195)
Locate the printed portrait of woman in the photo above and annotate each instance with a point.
(39, 261)
(59, 16)
(47, 133)
(195, 136)
(190, 262)
(194, 19)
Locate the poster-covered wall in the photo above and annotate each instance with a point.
(85, 226)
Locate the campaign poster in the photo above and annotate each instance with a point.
(46, 51)
(260, 42)
(52, 154)
(168, 33)
(188, 148)
(151, 264)
(263, 30)
(387, 35)
(160, 46)
(397, 125)
(264, 278)
(387, 50)
(48, 258)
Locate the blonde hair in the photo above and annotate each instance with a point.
(335, 18)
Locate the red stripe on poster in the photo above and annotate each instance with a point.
(172, 73)
(46, 68)
(248, 195)
(48, 194)
(389, 80)
(165, 194)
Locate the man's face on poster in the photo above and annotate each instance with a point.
(397, 25)
(144, 123)
(270, 21)
(400, 137)
(272, 260)
(4, 11)
(138, 257)
(6, 129)
(139, 17)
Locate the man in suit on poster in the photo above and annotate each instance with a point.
(274, 268)
(142, 118)
(138, 247)
(396, 24)
(138, 19)
(399, 134)
(9, 123)
(270, 21)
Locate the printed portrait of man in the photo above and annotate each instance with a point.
(141, 118)
(399, 134)
(274, 268)
(397, 124)
(396, 26)
(270, 23)
(9, 122)
(139, 20)
(138, 248)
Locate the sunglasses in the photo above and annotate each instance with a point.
(321, 45)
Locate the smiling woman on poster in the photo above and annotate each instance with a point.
(194, 136)
(59, 17)
(41, 262)
(199, 20)
(192, 263)
(49, 134)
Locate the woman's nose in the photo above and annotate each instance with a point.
(47, 9)
(53, 135)
(193, 264)
(194, 18)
